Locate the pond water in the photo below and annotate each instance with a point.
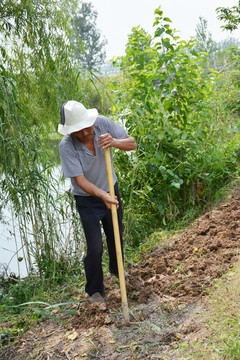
(9, 243)
(11, 254)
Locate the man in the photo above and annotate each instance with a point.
(82, 156)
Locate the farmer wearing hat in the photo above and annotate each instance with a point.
(86, 135)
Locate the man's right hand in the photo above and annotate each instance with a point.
(108, 200)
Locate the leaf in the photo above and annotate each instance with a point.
(169, 32)
(156, 328)
(159, 31)
(166, 43)
(158, 11)
(170, 172)
(63, 304)
(32, 303)
(167, 19)
(72, 312)
(44, 313)
(175, 184)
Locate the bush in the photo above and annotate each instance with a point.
(167, 101)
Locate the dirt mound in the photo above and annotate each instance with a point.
(162, 290)
(200, 254)
(179, 273)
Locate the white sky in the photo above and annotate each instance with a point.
(116, 18)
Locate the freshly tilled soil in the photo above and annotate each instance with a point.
(163, 290)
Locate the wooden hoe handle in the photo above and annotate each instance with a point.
(117, 237)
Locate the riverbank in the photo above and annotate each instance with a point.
(176, 293)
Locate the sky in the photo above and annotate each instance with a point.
(116, 19)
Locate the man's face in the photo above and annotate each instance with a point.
(85, 135)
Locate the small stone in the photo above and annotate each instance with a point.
(102, 306)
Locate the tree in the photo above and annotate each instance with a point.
(205, 43)
(228, 43)
(35, 48)
(35, 21)
(231, 16)
(89, 48)
(169, 120)
(36, 76)
(8, 9)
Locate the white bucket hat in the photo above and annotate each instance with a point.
(75, 117)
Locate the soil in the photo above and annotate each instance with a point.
(163, 291)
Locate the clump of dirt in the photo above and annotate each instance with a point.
(163, 291)
(202, 253)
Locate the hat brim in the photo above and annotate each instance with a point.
(92, 115)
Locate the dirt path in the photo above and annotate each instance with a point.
(163, 291)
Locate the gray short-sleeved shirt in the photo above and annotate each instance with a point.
(76, 159)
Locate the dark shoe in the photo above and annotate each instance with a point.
(96, 298)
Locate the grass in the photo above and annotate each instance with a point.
(220, 323)
(15, 320)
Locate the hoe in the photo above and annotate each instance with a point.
(117, 239)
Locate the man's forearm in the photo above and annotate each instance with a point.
(106, 140)
(125, 144)
(93, 190)
(89, 187)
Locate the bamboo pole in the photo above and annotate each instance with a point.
(117, 237)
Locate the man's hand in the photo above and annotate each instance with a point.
(105, 141)
(108, 200)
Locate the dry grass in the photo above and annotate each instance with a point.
(218, 336)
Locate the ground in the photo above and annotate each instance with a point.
(165, 292)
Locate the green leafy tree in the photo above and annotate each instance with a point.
(89, 48)
(37, 74)
(164, 99)
(34, 45)
(230, 15)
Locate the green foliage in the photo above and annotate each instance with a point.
(28, 185)
(20, 292)
(37, 74)
(227, 85)
(164, 99)
(228, 43)
(231, 16)
(37, 57)
(47, 308)
(23, 302)
(231, 350)
(177, 112)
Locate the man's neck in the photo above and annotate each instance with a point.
(89, 144)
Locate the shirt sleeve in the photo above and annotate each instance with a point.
(70, 161)
(110, 126)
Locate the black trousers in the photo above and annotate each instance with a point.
(93, 212)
